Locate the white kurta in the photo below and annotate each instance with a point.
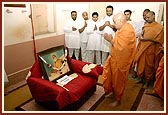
(94, 41)
(72, 38)
(105, 44)
(139, 26)
(139, 30)
(84, 40)
(84, 35)
(135, 26)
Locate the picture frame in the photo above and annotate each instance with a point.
(54, 63)
(15, 5)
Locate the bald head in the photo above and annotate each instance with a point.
(144, 13)
(119, 20)
(150, 17)
(151, 13)
(85, 15)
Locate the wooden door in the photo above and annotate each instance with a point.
(39, 13)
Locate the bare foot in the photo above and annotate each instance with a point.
(110, 95)
(115, 103)
(133, 73)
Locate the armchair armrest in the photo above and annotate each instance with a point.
(43, 90)
(77, 66)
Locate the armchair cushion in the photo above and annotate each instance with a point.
(44, 90)
(78, 85)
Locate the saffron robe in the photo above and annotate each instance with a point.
(148, 53)
(116, 68)
(57, 65)
(158, 87)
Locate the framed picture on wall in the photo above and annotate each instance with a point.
(54, 63)
(15, 5)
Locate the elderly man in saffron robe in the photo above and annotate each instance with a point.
(148, 52)
(116, 68)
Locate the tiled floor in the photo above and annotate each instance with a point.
(148, 102)
(151, 103)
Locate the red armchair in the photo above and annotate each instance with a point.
(69, 97)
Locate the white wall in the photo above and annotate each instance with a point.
(137, 8)
(17, 25)
(99, 7)
(50, 13)
(63, 10)
(63, 13)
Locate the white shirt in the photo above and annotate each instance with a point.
(84, 35)
(94, 41)
(72, 38)
(105, 44)
(140, 26)
(135, 26)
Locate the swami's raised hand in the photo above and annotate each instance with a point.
(108, 37)
(105, 35)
